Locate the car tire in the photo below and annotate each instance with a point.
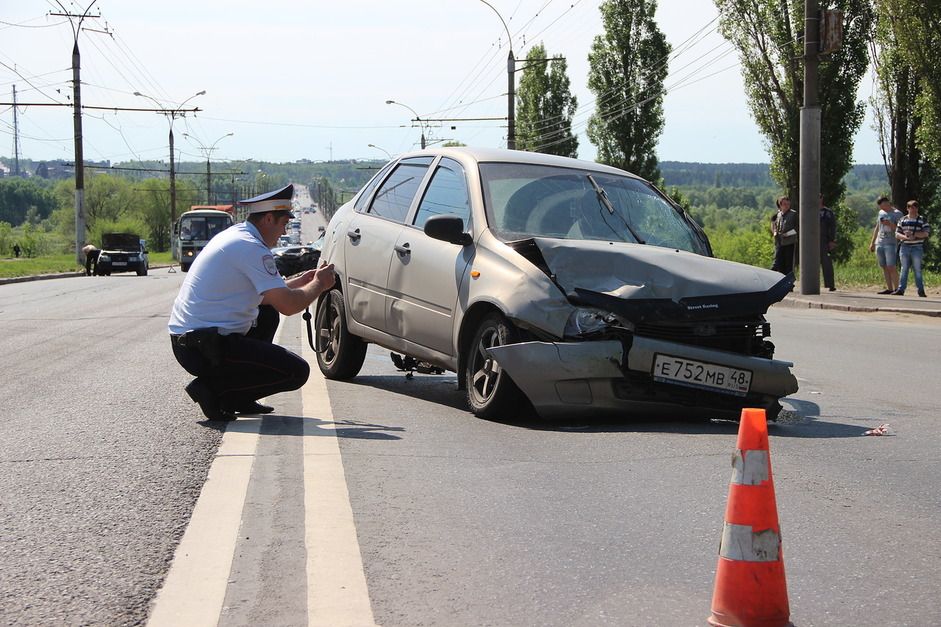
(340, 354)
(142, 271)
(185, 267)
(491, 393)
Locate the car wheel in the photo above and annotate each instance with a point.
(185, 267)
(340, 354)
(490, 391)
(142, 271)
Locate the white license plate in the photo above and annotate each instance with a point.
(699, 374)
(118, 263)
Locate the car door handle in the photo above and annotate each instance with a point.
(404, 249)
(354, 235)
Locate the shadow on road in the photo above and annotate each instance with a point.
(800, 419)
(281, 425)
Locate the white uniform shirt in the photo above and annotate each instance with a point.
(224, 285)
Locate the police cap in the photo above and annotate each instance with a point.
(278, 200)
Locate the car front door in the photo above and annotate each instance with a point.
(425, 274)
(370, 238)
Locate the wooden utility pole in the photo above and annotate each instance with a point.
(16, 138)
(810, 156)
(511, 100)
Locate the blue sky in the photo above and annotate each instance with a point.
(309, 80)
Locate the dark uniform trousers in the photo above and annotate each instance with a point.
(251, 366)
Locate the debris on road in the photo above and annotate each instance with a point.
(882, 429)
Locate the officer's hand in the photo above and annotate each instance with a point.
(325, 277)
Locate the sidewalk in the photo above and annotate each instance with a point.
(839, 300)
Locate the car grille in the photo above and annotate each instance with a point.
(739, 336)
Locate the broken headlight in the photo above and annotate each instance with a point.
(585, 320)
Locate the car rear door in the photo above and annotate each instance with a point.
(370, 240)
(425, 274)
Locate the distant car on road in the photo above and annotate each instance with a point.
(539, 279)
(122, 252)
(291, 260)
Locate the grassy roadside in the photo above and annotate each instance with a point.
(849, 276)
(52, 264)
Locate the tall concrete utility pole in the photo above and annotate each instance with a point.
(810, 156)
(16, 138)
(77, 125)
(511, 100)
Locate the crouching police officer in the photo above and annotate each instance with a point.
(224, 318)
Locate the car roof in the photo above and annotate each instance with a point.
(500, 155)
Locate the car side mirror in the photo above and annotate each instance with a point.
(448, 228)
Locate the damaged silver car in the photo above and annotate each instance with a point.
(568, 284)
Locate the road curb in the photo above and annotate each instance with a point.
(806, 303)
(60, 275)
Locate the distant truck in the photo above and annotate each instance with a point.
(193, 231)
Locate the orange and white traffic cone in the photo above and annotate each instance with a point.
(750, 588)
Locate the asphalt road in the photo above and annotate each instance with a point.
(459, 521)
(101, 455)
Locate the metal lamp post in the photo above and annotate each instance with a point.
(417, 119)
(382, 149)
(510, 83)
(208, 152)
(171, 115)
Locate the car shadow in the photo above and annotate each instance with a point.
(287, 425)
(439, 389)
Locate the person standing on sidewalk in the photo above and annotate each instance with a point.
(912, 232)
(884, 244)
(827, 244)
(784, 231)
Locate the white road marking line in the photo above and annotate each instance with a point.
(193, 593)
(194, 590)
(336, 583)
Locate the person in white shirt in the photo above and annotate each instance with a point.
(225, 316)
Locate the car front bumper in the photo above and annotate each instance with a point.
(561, 378)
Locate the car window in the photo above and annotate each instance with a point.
(395, 196)
(363, 196)
(446, 194)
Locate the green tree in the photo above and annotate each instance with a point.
(545, 106)
(768, 35)
(915, 26)
(627, 70)
(896, 120)
(154, 210)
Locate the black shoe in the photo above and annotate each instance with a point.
(922, 294)
(832, 289)
(254, 408)
(208, 402)
(898, 293)
(884, 292)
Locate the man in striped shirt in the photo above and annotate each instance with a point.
(912, 231)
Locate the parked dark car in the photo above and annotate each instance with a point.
(122, 252)
(293, 259)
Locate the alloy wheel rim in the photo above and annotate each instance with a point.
(487, 371)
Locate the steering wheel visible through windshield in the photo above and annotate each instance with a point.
(528, 200)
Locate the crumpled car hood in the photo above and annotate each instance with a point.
(643, 282)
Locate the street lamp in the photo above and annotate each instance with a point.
(208, 153)
(171, 115)
(417, 119)
(511, 85)
(382, 149)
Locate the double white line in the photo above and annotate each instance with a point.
(194, 591)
